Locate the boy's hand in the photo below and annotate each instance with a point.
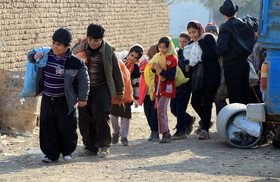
(82, 103)
(136, 104)
(120, 97)
(39, 55)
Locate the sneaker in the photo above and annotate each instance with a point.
(198, 130)
(151, 136)
(115, 138)
(124, 141)
(190, 126)
(68, 157)
(166, 138)
(86, 152)
(156, 136)
(203, 135)
(104, 152)
(48, 160)
(178, 135)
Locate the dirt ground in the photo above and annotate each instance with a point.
(183, 160)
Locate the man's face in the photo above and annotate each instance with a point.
(94, 43)
(183, 42)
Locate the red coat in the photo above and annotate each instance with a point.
(143, 85)
(167, 87)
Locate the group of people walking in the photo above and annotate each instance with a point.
(89, 74)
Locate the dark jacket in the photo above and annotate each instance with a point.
(182, 63)
(227, 45)
(76, 80)
(212, 70)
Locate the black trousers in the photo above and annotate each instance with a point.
(94, 120)
(237, 80)
(57, 128)
(151, 113)
(202, 101)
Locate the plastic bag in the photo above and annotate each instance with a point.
(250, 127)
(29, 89)
(232, 130)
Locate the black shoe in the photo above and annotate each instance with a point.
(151, 136)
(124, 141)
(166, 138)
(178, 135)
(190, 126)
(48, 160)
(156, 136)
(115, 138)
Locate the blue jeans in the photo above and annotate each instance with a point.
(178, 108)
(151, 113)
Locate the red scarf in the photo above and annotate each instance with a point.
(129, 66)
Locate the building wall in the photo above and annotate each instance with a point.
(28, 24)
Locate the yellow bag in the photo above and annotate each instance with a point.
(180, 77)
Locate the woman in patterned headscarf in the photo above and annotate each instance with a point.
(205, 53)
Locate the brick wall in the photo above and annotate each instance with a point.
(28, 24)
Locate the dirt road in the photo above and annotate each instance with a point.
(183, 160)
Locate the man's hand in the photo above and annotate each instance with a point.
(82, 103)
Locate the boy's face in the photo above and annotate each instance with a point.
(133, 57)
(59, 49)
(213, 32)
(94, 43)
(183, 42)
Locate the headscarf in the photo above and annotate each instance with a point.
(200, 27)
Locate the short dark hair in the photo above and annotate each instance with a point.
(138, 49)
(185, 35)
(95, 31)
(192, 25)
(164, 40)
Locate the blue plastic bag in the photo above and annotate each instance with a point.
(29, 89)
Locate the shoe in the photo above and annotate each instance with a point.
(166, 138)
(104, 152)
(203, 135)
(178, 135)
(68, 157)
(190, 126)
(156, 136)
(151, 136)
(198, 130)
(115, 138)
(124, 141)
(47, 160)
(86, 152)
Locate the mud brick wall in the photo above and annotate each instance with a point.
(28, 24)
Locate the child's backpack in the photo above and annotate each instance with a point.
(128, 90)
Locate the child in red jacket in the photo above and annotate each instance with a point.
(164, 64)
